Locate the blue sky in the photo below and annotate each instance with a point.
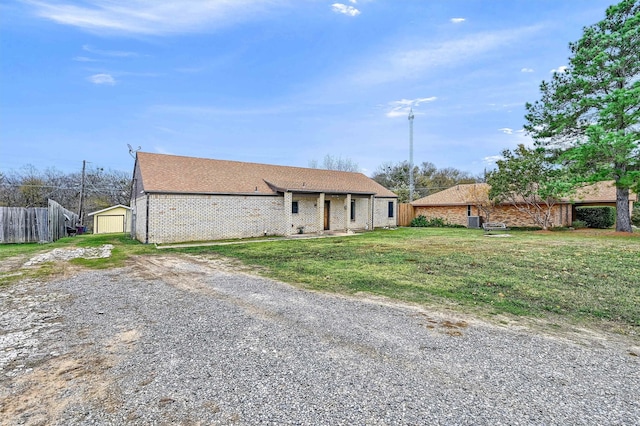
(276, 81)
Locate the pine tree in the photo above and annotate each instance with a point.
(589, 115)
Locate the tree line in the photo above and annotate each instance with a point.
(30, 187)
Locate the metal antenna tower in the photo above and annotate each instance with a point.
(411, 154)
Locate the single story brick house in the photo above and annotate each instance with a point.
(178, 199)
(461, 202)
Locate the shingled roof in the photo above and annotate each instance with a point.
(161, 173)
(464, 194)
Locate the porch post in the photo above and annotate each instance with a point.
(347, 213)
(288, 216)
(370, 220)
(320, 213)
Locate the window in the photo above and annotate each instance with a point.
(294, 207)
(391, 209)
(353, 210)
(469, 210)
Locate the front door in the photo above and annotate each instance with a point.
(327, 213)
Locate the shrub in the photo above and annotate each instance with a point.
(579, 224)
(419, 221)
(597, 217)
(436, 222)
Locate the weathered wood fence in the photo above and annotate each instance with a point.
(35, 224)
(405, 214)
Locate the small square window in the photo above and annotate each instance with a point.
(294, 207)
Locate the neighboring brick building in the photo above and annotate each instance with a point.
(458, 203)
(177, 199)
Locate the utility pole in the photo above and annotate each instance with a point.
(411, 155)
(80, 206)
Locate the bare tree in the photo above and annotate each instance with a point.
(336, 163)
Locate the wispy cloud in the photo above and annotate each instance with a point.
(106, 79)
(527, 70)
(457, 20)
(402, 63)
(402, 107)
(560, 69)
(491, 159)
(151, 17)
(112, 53)
(344, 9)
(84, 59)
(510, 131)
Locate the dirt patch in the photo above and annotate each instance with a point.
(11, 264)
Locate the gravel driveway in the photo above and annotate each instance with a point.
(189, 340)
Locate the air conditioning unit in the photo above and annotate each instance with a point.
(473, 222)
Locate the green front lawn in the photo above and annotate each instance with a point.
(580, 275)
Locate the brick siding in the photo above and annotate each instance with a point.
(180, 217)
(561, 215)
(381, 217)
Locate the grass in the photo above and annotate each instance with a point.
(578, 275)
(583, 275)
(124, 247)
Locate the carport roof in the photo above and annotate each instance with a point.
(161, 173)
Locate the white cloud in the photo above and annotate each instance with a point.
(402, 107)
(152, 17)
(506, 130)
(114, 53)
(457, 20)
(344, 9)
(401, 63)
(491, 159)
(84, 59)
(527, 70)
(102, 79)
(560, 69)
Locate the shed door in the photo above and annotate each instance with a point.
(110, 224)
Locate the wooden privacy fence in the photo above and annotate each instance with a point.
(405, 214)
(35, 224)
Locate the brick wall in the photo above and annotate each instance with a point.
(452, 214)
(307, 215)
(381, 217)
(178, 218)
(561, 215)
